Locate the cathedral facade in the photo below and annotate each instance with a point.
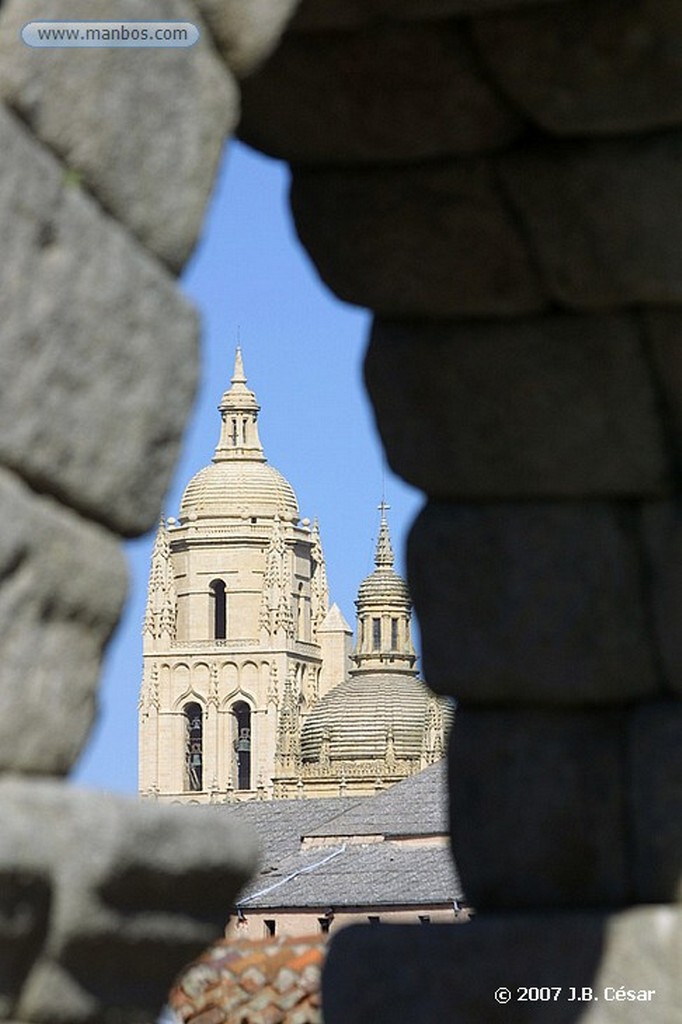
(252, 687)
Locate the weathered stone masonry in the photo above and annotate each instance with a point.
(108, 160)
(499, 180)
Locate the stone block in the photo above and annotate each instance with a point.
(138, 890)
(433, 241)
(148, 148)
(409, 974)
(555, 406)
(586, 68)
(314, 15)
(603, 218)
(656, 801)
(537, 808)
(532, 604)
(61, 591)
(661, 533)
(246, 31)
(98, 358)
(662, 329)
(25, 898)
(374, 92)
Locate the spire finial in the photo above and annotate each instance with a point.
(384, 552)
(238, 375)
(239, 413)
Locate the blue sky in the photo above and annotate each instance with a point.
(303, 354)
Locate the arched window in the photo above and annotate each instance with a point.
(299, 613)
(194, 747)
(219, 602)
(376, 634)
(394, 634)
(242, 743)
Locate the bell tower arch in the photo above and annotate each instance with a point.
(237, 590)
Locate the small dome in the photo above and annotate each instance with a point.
(383, 585)
(239, 489)
(358, 714)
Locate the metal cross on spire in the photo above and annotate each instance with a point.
(383, 507)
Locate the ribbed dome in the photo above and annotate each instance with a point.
(358, 713)
(383, 585)
(239, 489)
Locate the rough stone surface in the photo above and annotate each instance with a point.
(385, 110)
(98, 361)
(589, 68)
(25, 897)
(148, 148)
(138, 890)
(432, 241)
(344, 14)
(449, 972)
(656, 801)
(62, 583)
(531, 604)
(558, 406)
(603, 218)
(662, 329)
(246, 31)
(537, 808)
(661, 531)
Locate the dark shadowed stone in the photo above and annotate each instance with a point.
(656, 801)
(144, 128)
(524, 604)
(552, 406)
(589, 68)
(604, 218)
(661, 532)
(24, 909)
(662, 329)
(429, 241)
(62, 584)
(139, 889)
(98, 359)
(375, 93)
(537, 808)
(343, 14)
(450, 973)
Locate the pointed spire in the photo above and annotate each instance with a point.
(384, 553)
(160, 610)
(239, 413)
(319, 598)
(238, 375)
(384, 608)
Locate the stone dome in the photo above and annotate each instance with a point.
(358, 714)
(383, 585)
(239, 489)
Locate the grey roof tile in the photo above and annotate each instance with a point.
(353, 873)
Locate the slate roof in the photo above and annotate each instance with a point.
(415, 807)
(342, 871)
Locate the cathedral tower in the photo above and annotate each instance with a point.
(237, 592)
(381, 724)
(251, 689)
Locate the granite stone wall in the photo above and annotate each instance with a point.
(499, 181)
(108, 161)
